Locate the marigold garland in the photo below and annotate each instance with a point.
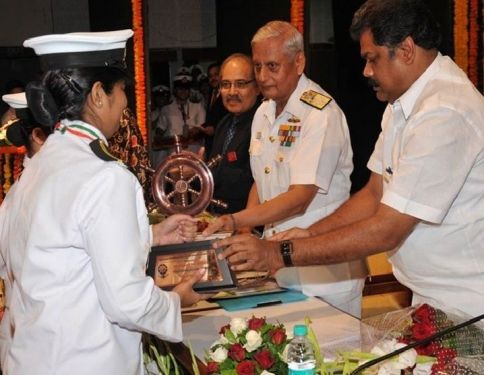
(11, 159)
(139, 66)
(297, 15)
(7, 173)
(467, 28)
(461, 35)
(473, 42)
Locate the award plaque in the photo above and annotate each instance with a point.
(169, 264)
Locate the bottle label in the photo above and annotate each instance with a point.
(310, 371)
(305, 368)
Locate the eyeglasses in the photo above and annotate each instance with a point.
(238, 85)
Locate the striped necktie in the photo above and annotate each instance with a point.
(230, 134)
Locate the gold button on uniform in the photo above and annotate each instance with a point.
(267, 170)
(272, 138)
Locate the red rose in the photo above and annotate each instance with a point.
(424, 314)
(245, 368)
(428, 349)
(224, 328)
(212, 367)
(421, 331)
(277, 335)
(237, 352)
(264, 359)
(256, 323)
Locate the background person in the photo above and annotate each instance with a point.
(181, 117)
(215, 108)
(424, 199)
(86, 279)
(232, 175)
(11, 87)
(300, 156)
(25, 131)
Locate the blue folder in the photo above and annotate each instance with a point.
(261, 300)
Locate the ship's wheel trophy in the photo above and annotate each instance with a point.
(183, 183)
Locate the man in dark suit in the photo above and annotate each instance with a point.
(239, 91)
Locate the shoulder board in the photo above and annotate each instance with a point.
(101, 151)
(315, 99)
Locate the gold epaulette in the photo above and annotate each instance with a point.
(315, 99)
(101, 151)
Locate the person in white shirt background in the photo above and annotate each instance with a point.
(182, 118)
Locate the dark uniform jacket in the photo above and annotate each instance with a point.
(232, 176)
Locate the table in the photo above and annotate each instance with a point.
(332, 326)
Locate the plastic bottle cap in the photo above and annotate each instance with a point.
(300, 330)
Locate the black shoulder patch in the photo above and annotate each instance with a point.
(101, 151)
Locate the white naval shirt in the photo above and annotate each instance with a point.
(171, 118)
(431, 156)
(75, 241)
(320, 155)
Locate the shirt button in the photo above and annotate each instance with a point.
(267, 170)
(272, 138)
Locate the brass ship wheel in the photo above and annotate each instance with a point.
(183, 183)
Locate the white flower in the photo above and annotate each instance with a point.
(237, 325)
(267, 373)
(388, 368)
(254, 340)
(222, 340)
(393, 366)
(384, 347)
(219, 355)
(423, 368)
(407, 358)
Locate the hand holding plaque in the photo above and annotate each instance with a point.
(169, 264)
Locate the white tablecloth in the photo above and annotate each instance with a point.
(334, 328)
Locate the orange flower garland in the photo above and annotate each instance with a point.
(461, 35)
(473, 42)
(297, 15)
(17, 166)
(139, 67)
(7, 173)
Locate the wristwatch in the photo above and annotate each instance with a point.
(286, 252)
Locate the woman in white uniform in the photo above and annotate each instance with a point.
(75, 237)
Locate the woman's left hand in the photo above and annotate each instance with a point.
(176, 228)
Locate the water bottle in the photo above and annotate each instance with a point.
(300, 355)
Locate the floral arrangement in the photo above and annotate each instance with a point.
(249, 347)
(460, 351)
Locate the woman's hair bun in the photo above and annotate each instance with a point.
(16, 134)
(42, 104)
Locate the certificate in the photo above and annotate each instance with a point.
(170, 264)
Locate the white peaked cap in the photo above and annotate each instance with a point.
(79, 42)
(16, 101)
(83, 49)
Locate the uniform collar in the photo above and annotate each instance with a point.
(91, 132)
(408, 99)
(294, 106)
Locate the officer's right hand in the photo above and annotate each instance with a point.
(188, 296)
